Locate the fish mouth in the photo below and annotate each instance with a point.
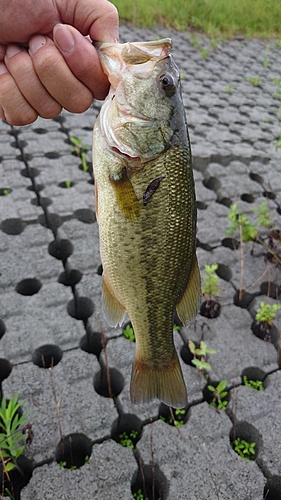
(117, 151)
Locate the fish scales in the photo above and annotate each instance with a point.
(148, 249)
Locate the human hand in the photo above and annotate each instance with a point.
(46, 65)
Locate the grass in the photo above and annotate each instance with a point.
(224, 18)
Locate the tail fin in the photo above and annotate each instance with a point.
(164, 382)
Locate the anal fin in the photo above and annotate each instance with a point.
(114, 311)
(187, 307)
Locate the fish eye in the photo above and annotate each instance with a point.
(167, 84)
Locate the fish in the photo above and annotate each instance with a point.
(146, 211)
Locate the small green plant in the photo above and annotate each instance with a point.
(278, 143)
(204, 53)
(139, 496)
(200, 356)
(255, 80)
(244, 449)
(67, 184)
(277, 82)
(6, 191)
(263, 214)
(266, 313)
(129, 333)
(228, 89)
(219, 393)
(194, 41)
(11, 436)
(240, 222)
(80, 150)
(265, 59)
(210, 282)
(62, 463)
(176, 419)
(127, 441)
(253, 384)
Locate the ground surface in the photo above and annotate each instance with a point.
(233, 126)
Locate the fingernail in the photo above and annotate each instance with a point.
(12, 50)
(36, 43)
(3, 69)
(63, 38)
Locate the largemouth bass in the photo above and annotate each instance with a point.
(145, 206)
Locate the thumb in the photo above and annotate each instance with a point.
(97, 18)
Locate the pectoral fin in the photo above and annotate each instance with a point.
(113, 310)
(188, 305)
(126, 196)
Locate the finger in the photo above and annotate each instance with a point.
(56, 76)
(14, 108)
(82, 59)
(97, 19)
(20, 66)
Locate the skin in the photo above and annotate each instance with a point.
(46, 61)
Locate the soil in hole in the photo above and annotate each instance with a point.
(80, 308)
(173, 416)
(47, 356)
(2, 328)
(17, 478)
(187, 355)
(247, 432)
(93, 342)
(5, 369)
(61, 249)
(272, 489)
(151, 482)
(254, 377)
(210, 308)
(70, 278)
(73, 451)
(231, 243)
(28, 286)
(243, 299)
(12, 226)
(127, 430)
(108, 382)
(266, 332)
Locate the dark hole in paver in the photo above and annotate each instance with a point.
(18, 478)
(266, 332)
(270, 289)
(212, 183)
(85, 215)
(5, 369)
(269, 195)
(80, 308)
(272, 489)
(100, 270)
(51, 221)
(186, 354)
(61, 249)
(37, 188)
(12, 226)
(227, 202)
(151, 481)
(127, 430)
(5, 191)
(52, 155)
(44, 202)
(205, 246)
(73, 451)
(47, 356)
(175, 417)
(93, 342)
(224, 272)
(231, 243)
(70, 278)
(246, 432)
(201, 205)
(256, 177)
(66, 184)
(91, 181)
(249, 198)
(108, 382)
(210, 396)
(2, 328)
(28, 286)
(19, 144)
(255, 374)
(210, 308)
(40, 131)
(31, 172)
(243, 299)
